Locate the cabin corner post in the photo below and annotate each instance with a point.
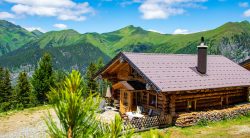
(248, 93)
(164, 104)
(172, 104)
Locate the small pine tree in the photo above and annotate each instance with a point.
(42, 79)
(23, 90)
(77, 115)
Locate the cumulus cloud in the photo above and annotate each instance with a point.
(246, 13)
(60, 26)
(62, 9)
(162, 9)
(243, 4)
(35, 28)
(6, 15)
(129, 2)
(181, 31)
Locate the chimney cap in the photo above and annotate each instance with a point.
(202, 43)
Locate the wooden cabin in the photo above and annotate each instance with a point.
(170, 83)
(246, 64)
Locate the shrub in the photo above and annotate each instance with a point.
(202, 122)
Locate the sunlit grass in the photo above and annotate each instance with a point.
(26, 111)
(224, 128)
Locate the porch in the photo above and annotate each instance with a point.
(147, 108)
(140, 109)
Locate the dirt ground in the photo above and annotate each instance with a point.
(29, 124)
(26, 123)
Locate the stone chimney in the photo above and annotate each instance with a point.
(202, 57)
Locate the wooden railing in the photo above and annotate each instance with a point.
(147, 122)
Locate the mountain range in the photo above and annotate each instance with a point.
(70, 49)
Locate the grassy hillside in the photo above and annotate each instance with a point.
(37, 33)
(13, 37)
(226, 40)
(77, 56)
(231, 39)
(232, 128)
(59, 39)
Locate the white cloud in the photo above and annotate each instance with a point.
(6, 15)
(152, 30)
(246, 13)
(129, 2)
(181, 31)
(162, 9)
(60, 26)
(53, 3)
(243, 4)
(62, 9)
(35, 28)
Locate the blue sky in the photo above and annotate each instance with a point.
(165, 16)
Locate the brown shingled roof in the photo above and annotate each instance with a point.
(176, 72)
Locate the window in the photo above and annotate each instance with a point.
(152, 100)
(189, 105)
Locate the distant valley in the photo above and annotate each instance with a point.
(70, 49)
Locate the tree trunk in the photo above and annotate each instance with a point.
(69, 132)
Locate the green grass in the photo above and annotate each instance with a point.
(26, 110)
(238, 127)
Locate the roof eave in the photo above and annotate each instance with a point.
(121, 54)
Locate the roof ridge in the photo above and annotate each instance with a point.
(168, 54)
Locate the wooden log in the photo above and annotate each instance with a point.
(205, 101)
(172, 104)
(207, 90)
(208, 105)
(180, 97)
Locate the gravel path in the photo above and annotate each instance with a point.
(26, 123)
(29, 123)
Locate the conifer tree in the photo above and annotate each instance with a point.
(23, 90)
(6, 90)
(1, 84)
(92, 69)
(42, 79)
(99, 64)
(92, 85)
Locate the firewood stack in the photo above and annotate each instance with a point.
(189, 119)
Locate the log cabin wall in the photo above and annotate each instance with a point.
(205, 99)
(246, 64)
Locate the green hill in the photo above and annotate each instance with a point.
(13, 37)
(37, 33)
(72, 49)
(231, 39)
(66, 47)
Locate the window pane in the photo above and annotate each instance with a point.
(152, 100)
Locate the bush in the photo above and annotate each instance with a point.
(202, 122)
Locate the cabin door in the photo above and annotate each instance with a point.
(126, 101)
